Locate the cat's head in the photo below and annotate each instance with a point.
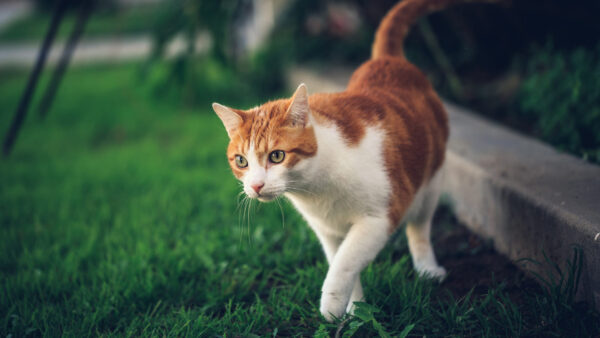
(269, 144)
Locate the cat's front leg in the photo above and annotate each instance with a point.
(363, 242)
(329, 242)
(356, 296)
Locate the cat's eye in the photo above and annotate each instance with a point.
(277, 156)
(241, 161)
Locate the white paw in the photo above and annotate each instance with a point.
(350, 307)
(431, 271)
(332, 306)
(357, 296)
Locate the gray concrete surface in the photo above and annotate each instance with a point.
(530, 199)
(13, 10)
(526, 196)
(107, 49)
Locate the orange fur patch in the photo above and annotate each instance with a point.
(267, 129)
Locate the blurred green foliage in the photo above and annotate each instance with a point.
(189, 17)
(263, 70)
(560, 97)
(51, 5)
(196, 82)
(262, 73)
(309, 31)
(554, 99)
(103, 22)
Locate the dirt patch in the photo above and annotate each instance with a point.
(473, 263)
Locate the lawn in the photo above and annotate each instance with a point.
(119, 216)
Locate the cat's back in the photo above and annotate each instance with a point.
(390, 73)
(388, 93)
(394, 98)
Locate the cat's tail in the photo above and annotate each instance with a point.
(394, 27)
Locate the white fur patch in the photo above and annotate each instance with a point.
(343, 192)
(255, 174)
(341, 183)
(273, 177)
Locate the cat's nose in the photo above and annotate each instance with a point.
(257, 187)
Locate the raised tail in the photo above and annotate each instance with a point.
(394, 27)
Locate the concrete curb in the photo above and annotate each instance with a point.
(527, 197)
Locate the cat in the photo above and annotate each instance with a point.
(355, 164)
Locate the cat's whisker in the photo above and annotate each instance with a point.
(245, 226)
(239, 196)
(249, 220)
(301, 191)
(241, 218)
(290, 187)
(280, 209)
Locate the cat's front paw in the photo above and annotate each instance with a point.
(332, 306)
(435, 272)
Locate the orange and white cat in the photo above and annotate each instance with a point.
(355, 164)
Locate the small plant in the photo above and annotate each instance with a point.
(557, 308)
(560, 96)
(365, 314)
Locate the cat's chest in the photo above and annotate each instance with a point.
(331, 214)
(343, 183)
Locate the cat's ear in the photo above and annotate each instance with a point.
(298, 111)
(231, 120)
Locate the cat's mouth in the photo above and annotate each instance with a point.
(264, 196)
(267, 196)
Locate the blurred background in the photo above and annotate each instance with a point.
(118, 212)
(531, 65)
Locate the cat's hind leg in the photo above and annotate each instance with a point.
(418, 230)
(421, 251)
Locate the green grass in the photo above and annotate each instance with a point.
(33, 27)
(119, 216)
